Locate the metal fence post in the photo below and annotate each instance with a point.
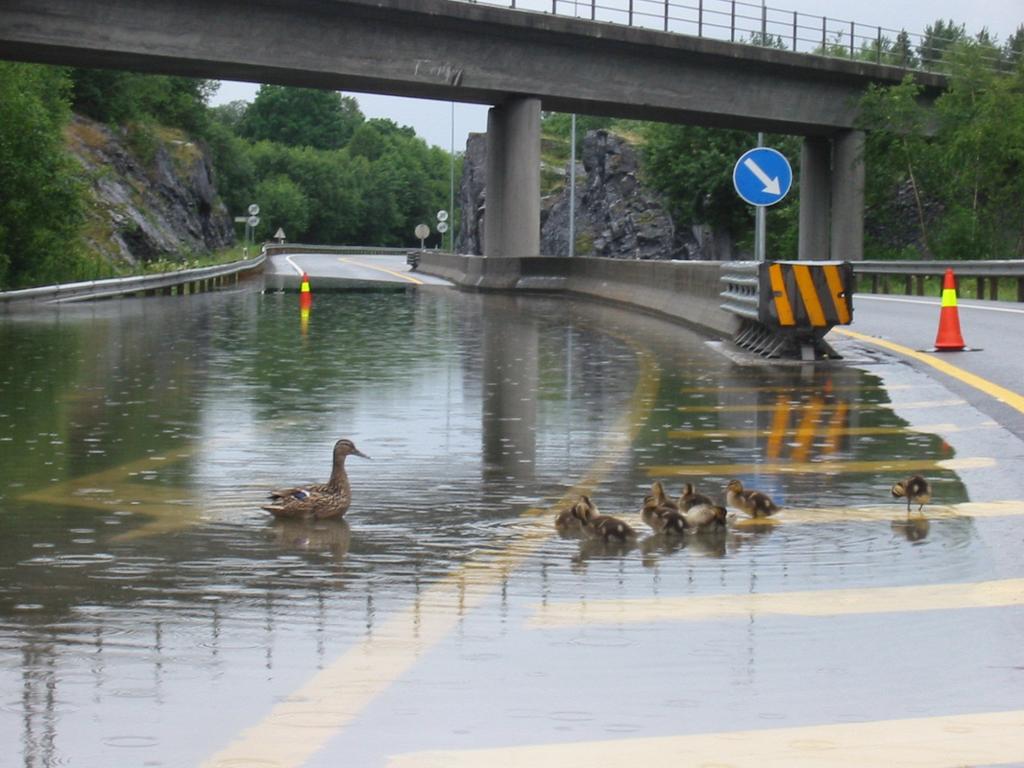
(666, 15)
(794, 31)
(700, 18)
(824, 35)
(852, 24)
(732, 24)
(631, 13)
(764, 23)
(878, 56)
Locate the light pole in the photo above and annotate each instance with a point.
(451, 191)
(572, 187)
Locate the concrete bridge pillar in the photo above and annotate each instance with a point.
(512, 212)
(832, 197)
(848, 196)
(815, 198)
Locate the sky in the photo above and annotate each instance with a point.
(433, 120)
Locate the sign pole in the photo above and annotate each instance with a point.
(760, 220)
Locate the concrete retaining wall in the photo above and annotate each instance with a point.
(682, 290)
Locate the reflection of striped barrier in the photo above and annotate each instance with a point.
(788, 306)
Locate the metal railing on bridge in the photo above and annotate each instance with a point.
(740, 21)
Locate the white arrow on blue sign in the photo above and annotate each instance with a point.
(762, 176)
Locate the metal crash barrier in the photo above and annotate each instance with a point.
(787, 307)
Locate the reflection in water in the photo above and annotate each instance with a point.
(511, 360)
(141, 585)
(914, 528)
(313, 535)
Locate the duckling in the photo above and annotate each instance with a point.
(598, 526)
(754, 503)
(567, 522)
(691, 498)
(915, 489)
(319, 500)
(706, 517)
(672, 523)
(656, 505)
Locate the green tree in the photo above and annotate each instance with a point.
(939, 38)
(42, 202)
(117, 97)
(282, 204)
(301, 117)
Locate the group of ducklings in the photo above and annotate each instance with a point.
(696, 513)
(693, 512)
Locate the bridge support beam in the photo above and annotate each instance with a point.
(848, 196)
(815, 198)
(832, 197)
(512, 212)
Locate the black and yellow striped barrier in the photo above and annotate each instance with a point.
(788, 306)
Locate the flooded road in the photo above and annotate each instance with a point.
(152, 614)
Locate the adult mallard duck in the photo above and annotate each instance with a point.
(754, 503)
(319, 500)
(598, 526)
(915, 489)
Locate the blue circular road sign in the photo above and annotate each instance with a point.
(762, 176)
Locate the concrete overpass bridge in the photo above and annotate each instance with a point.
(519, 62)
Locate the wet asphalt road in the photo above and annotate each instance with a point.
(993, 332)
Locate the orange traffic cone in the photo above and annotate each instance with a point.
(305, 295)
(949, 338)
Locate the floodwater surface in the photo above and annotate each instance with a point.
(152, 614)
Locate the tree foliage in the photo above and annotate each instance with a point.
(41, 203)
(962, 162)
(301, 117)
(693, 166)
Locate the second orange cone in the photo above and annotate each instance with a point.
(949, 338)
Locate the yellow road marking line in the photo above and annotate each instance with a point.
(985, 738)
(755, 407)
(1002, 394)
(823, 602)
(821, 467)
(391, 272)
(895, 512)
(301, 725)
(682, 434)
(814, 386)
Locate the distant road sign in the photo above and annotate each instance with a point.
(254, 210)
(442, 227)
(279, 235)
(253, 221)
(442, 216)
(422, 231)
(762, 176)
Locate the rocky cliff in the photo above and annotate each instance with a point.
(616, 215)
(153, 195)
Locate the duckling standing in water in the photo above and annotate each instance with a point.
(691, 498)
(706, 517)
(598, 526)
(754, 503)
(657, 505)
(567, 523)
(915, 489)
(319, 500)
